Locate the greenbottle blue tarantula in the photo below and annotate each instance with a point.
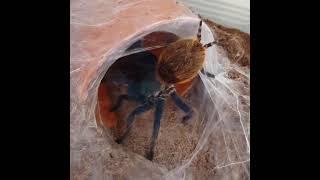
(153, 81)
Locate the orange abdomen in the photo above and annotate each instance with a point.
(164, 38)
(182, 88)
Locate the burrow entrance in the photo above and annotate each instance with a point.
(176, 141)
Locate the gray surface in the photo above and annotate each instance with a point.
(230, 13)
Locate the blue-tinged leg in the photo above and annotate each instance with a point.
(183, 106)
(131, 117)
(156, 126)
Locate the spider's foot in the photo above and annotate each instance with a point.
(149, 155)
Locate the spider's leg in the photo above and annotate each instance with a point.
(119, 102)
(183, 106)
(131, 117)
(199, 30)
(210, 44)
(207, 73)
(156, 126)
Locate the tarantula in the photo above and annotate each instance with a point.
(153, 81)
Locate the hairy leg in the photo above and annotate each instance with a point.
(199, 31)
(156, 126)
(130, 118)
(210, 44)
(183, 106)
(199, 34)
